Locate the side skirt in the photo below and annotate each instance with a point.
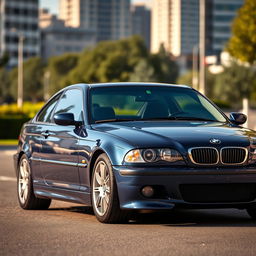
(62, 194)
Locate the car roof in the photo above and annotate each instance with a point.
(117, 84)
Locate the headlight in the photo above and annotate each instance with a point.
(149, 155)
(152, 155)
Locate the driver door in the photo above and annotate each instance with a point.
(59, 156)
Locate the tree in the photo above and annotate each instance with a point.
(187, 77)
(166, 70)
(4, 86)
(4, 78)
(109, 61)
(32, 82)
(143, 72)
(59, 67)
(242, 44)
(237, 81)
(4, 59)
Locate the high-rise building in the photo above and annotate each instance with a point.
(19, 19)
(141, 21)
(109, 18)
(56, 38)
(219, 17)
(175, 24)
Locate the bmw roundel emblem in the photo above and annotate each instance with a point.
(215, 141)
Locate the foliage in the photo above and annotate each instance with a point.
(166, 70)
(59, 67)
(222, 104)
(8, 142)
(143, 72)
(4, 59)
(109, 61)
(32, 82)
(4, 85)
(242, 44)
(235, 82)
(187, 77)
(10, 127)
(28, 110)
(12, 118)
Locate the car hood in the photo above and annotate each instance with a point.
(178, 133)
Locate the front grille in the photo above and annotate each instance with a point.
(233, 155)
(218, 193)
(204, 155)
(211, 156)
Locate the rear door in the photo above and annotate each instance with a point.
(59, 157)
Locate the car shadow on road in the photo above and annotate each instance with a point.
(181, 217)
(198, 218)
(77, 209)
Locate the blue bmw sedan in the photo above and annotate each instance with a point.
(122, 147)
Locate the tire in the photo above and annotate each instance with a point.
(252, 212)
(104, 195)
(26, 196)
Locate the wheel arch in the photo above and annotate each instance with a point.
(94, 157)
(20, 154)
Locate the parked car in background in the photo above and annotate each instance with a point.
(123, 147)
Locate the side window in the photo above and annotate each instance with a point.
(71, 102)
(46, 113)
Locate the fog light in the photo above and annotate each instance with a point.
(147, 191)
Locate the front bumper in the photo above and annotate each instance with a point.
(170, 181)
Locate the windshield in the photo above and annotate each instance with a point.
(124, 103)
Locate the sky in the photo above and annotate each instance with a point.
(53, 4)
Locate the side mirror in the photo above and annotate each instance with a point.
(237, 118)
(64, 119)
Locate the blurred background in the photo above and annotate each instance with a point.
(48, 44)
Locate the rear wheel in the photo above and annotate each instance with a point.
(26, 197)
(105, 200)
(252, 212)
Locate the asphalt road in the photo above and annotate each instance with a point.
(70, 229)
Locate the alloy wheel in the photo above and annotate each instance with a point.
(101, 188)
(23, 180)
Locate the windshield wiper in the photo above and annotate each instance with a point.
(115, 120)
(158, 118)
(178, 118)
(155, 118)
(194, 118)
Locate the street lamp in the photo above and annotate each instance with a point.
(20, 71)
(46, 85)
(195, 67)
(202, 47)
(20, 67)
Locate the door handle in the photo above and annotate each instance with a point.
(46, 134)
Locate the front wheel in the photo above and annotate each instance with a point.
(105, 200)
(26, 197)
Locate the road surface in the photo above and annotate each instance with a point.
(71, 229)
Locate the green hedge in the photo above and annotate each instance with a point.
(10, 126)
(28, 109)
(12, 118)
